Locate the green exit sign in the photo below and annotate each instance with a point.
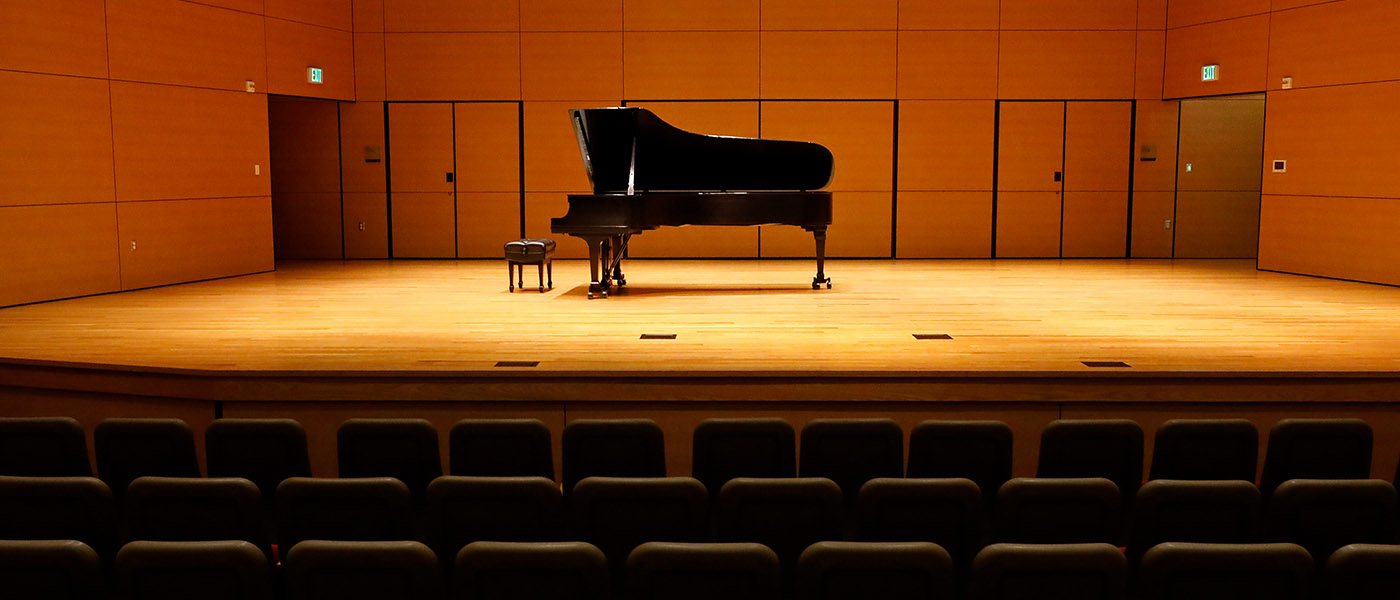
(1210, 72)
(313, 75)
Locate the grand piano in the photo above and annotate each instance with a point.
(648, 174)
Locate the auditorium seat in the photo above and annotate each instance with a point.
(976, 450)
(860, 570)
(530, 571)
(1109, 448)
(264, 451)
(1322, 515)
(177, 509)
(59, 508)
(722, 571)
(1364, 572)
(616, 514)
(130, 448)
(1205, 449)
(612, 448)
(723, 449)
(1165, 510)
(947, 512)
(500, 448)
(1190, 571)
(49, 570)
(208, 570)
(786, 515)
(851, 452)
(340, 570)
(462, 510)
(1049, 572)
(364, 509)
(1316, 449)
(1058, 511)
(43, 446)
(405, 449)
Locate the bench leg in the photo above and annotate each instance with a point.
(539, 268)
(510, 275)
(549, 266)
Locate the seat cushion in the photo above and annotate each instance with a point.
(536, 248)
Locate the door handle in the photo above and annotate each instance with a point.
(1059, 176)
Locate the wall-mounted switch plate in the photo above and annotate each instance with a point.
(1280, 166)
(257, 169)
(1188, 167)
(1167, 224)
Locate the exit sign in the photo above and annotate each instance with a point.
(1210, 72)
(313, 75)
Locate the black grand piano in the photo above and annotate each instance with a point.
(648, 174)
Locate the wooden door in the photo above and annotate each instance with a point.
(422, 181)
(1030, 169)
(1098, 156)
(1219, 176)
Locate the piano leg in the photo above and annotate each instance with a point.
(619, 245)
(596, 254)
(820, 235)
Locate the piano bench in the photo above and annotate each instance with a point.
(528, 251)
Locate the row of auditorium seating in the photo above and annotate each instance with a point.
(329, 570)
(847, 451)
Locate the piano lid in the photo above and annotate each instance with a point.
(630, 150)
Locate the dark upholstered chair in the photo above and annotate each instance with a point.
(366, 509)
(1205, 449)
(679, 571)
(264, 451)
(857, 570)
(59, 508)
(405, 449)
(338, 570)
(851, 452)
(212, 570)
(612, 448)
(723, 449)
(501, 448)
(1322, 515)
(1188, 571)
(1058, 511)
(1166, 510)
(786, 515)
(976, 450)
(179, 509)
(1363, 572)
(44, 447)
(50, 570)
(1109, 448)
(131, 448)
(947, 512)
(1049, 572)
(617, 514)
(530, 571)
(1316, 449)
(462, 510)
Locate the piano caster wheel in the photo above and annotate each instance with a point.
(541, 289)
(621, 282)
(817, 283)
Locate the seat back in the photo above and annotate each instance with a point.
(1364, 572)
(177, 509)
(1205, 449)
(1058, 511)
(462, 510)
(339, 570)
(857, 570)
(50, 570)
(1049, 572)
(212, 570)
(1316, 449)
(530, 571)
(501, 448)
(131, 448)
(1190, 571)
(1226, 511)
(617, 514)
(1108, 448)
(43, 447)
(723, 449)
(612, 448)
(405, 449)
(59, 508)
(851, 452)
(264, 451)
(976, 450)
(947, 512)
(1322, 515)
(786, 515)
(676, 571)
(364, 509)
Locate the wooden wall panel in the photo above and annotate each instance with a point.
(1222, 140)
(369, 67)
(1055, 65)
(58, 252)
(690, 15)
(362, 156)
(1069, 14)
(487, 146)
(560, 66)
(854, 64)
(947, 65)
(1348, 238)
(570, 15)
(1156, 131)
(1282, 5)
(67, 37)
(1182, 13)
(292, 47)
(420, 147)
(1151, 64)
(183, 43)
(1152, 14)
(1338, 141)
(306, 225)
(302, 139)
(371, 210)
(860, 136)
(459, 16)
(860, 228)
(59, 130)
(1217, 224)
(424, 224)
(189, 240)
(946, 145)
(950, 14)
(1094, 225)
(1152, 238)
(1028, 224)
(1098, 145)
(1031, 146)
(1330, 44)
(1239, 46)
(827, 15)
(452, 66)
(485, 222)
(699, 65)
(247, 6)
(326, 13)
(174, 142)
(944, 225)
(368, 15)
(552, 160)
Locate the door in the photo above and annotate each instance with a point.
(1219, 176)
(421, 181)
(1030, 179)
